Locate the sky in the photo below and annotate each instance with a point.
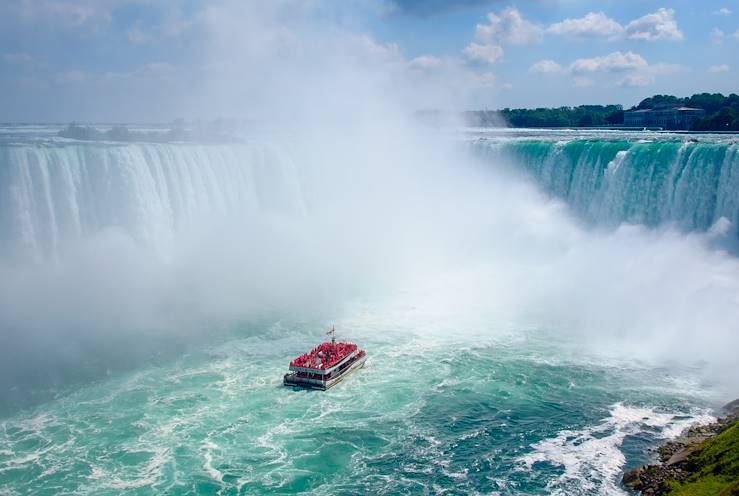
(157, 60)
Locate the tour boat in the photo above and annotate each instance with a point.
(325, 365)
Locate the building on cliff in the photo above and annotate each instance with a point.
(664, 117)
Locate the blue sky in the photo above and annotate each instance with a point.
(144, 59)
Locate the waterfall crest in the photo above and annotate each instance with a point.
(51, 194)
(691, 184)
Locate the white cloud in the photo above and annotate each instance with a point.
(167, 18)
(75, 14)
(508, 27)
(736, 34)
(635, 80)
(635, 70)
(377, 50)
(717, 35)
(613, 62)
(592, 25)
(546, 67)
(426, 62)
(67, 14)
(486, 53)
(723, 12)
(660, 25)
(172, 24)
(718, 68)
(582, 82)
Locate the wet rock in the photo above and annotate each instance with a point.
(632, 478)
(674, 456)
(732, 408)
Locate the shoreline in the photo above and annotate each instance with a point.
(700, 461)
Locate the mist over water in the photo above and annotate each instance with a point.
(110, 240)
(151, 294)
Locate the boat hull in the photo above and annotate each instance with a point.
(292, 380)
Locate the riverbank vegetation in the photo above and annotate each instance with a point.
(715, 467)
(704, 461)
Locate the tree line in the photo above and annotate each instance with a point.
(722, 113)
(582, 116)
(123, 133)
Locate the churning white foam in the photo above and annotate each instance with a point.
(214, 473)
(592, 459)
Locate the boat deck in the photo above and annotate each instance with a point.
(324, 356)
(323, 382)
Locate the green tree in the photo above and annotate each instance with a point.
(723, 120)
(660, 101)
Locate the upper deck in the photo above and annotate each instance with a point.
(324, 356)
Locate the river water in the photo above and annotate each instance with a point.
(543, 359)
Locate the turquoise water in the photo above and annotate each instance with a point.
(642, 178)
(511, 350)
(427, 415)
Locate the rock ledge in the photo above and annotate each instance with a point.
(674, 456)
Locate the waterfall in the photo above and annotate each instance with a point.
(688, 183)
(52, 194)
(55, 193)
